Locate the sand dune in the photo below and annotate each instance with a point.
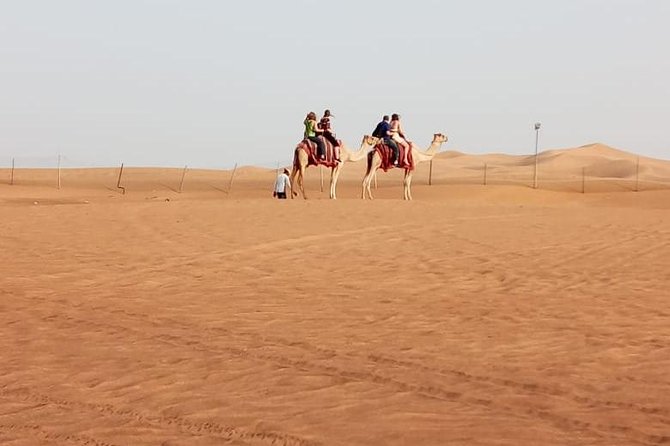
(474, 315)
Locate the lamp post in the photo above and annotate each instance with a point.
(537, 138)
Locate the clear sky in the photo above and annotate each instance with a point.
(209, 83)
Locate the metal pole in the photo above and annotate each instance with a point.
(232, 177)
(58, 172)
(11, 177)
(321, 173)
(118, 182)
(637, 175)
(181, 183)
(430, 174)
(537, 138)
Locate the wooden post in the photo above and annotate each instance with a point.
(321, 173)
(181, 183)
(118, 182)
(274, 182)
(637, 175)
(58, 172)
(430, 174)
(232, 177)
(583, 179)
(11, 177)
(485, 172)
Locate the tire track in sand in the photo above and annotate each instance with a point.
(187, 341)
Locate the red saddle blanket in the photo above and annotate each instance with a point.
(405, 159)
(332, 153)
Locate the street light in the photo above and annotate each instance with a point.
(537, 138)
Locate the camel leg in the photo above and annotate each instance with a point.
(376, 164)
(366, 181)
(364, 184)
(294, 173)
(302, 181)
(407, 185)
(373, 165)
(373, 173)
(334, 175)
(302, 165)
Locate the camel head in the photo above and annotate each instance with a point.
(370, 140)
(440, 138)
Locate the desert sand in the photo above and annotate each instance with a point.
(474, 315)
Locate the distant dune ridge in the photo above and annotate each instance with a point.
(603, 167)
(597, 157)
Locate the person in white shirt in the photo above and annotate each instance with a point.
(283, 182)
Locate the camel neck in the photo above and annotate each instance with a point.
(429, 153)
(358, 155)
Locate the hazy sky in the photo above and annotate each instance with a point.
(212, 82)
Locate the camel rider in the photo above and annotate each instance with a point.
(397, 133)
(383, 131)
(311, 132)
(327, 129)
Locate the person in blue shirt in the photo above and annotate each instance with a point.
(383, 131)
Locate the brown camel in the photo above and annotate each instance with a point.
(374, 162)
(300, 163)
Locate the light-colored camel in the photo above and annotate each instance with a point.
(301, 161)
(375, 162)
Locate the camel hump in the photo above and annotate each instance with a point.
(331, 155)
(385, 152)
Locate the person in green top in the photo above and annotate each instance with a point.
(312, 132)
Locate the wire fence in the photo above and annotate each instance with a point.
(606, 176)
(611, 175)
(61, 172)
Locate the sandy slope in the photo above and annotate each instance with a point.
(472, 316)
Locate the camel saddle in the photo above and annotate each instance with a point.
(405, 160)
(311, 149)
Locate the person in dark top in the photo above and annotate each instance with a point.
(327, 131)
(383, 131)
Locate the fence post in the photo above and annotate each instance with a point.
(486, 166)
(430, 174)
(11, 177)
(232, 177)
(637, 175)
(321, 174)
(181, 183)
(118, 182)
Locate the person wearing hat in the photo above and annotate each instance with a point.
(326, 127)
(283, 182)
